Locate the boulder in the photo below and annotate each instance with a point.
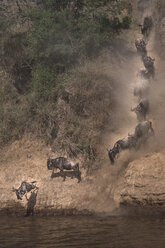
(143, 183)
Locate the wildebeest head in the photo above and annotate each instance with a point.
(17, 193)
(49, 164)
(111, 156)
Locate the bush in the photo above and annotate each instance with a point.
(126, 22)
(43, 78)
(62, 34)
(65, 31)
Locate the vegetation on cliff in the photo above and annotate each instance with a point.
(41, 50)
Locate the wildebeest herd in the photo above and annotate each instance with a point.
(143, 129)
(60, 163)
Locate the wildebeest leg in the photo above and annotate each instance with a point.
(79, 177)
(77, 172)
(26, 196)
(63, 175)
(152, 133)
(52, 175)
(111, 159)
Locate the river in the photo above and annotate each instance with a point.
(82, 231)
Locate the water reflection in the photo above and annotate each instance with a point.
(80, 231)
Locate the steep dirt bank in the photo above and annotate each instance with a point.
(105, 187)
(142, 184)
(26, 159)
(105, 88)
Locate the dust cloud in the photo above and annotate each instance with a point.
(124, 121)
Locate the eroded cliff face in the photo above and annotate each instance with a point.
(26, 161)
(139, 183)
(143, 182)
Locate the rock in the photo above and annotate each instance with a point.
(143, 182)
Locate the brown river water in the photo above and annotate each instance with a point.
(82, 231)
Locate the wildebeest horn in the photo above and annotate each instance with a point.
(13, 189)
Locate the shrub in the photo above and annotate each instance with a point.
(126, 22)
(43, 79)
(61, 34)
(65, 31)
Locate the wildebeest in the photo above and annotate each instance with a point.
(141, 88)
(62, 164)
(149, 64)
(144, 130)
(128, 142)
(24, 188)
(31, 202)
(147, 26)
(141, 47)
(141, 109)
(143, 73)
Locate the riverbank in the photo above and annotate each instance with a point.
(91, 118)
(114, 190)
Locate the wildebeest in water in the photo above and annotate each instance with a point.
(62, 164)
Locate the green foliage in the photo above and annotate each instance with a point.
(65, 31)
(13, 119)
(62, 33)
(126, 22)
(86, 148)
(43, 78)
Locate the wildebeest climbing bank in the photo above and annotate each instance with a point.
(80, 91)
(143, 130)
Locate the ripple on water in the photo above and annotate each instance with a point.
(82, 231)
